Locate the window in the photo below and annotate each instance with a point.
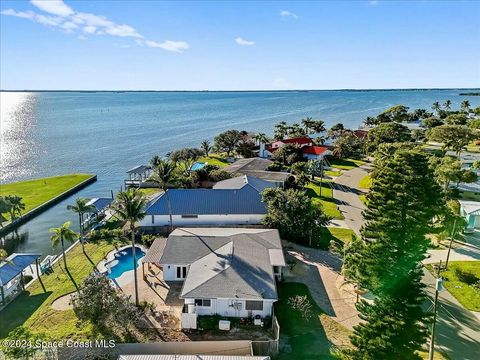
(153, 219)
(189, 216)
(203, 302)
(254, 305)
(181, 272)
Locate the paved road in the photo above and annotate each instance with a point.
(463, 253)
(346, 192)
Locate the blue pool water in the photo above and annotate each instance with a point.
(197, 166)
(125, 262)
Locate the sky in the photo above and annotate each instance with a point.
(238, 45)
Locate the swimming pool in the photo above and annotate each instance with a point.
(197, 166)
(123, 261)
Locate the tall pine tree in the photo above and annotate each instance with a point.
(402, 203)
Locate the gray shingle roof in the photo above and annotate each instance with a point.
(237, 263)
(140, 169)
(248, 164)
(246, 200)
(155, 251)
(241, 181)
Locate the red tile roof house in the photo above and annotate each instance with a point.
(315, 152)
(299, 141)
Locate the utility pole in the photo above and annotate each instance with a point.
(451, 241)
(438, 284)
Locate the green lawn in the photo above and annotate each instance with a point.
(32, 307)
(460, 280)
(326, 200)
(305, 339)
(36, 192)
(365, 182)
(345, 164)
(149, 191)
(339, 235)
(214, 159)
(332, 173)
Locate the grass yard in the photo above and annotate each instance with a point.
(332, 173)
(462, 280)
(149, 191)
(340, 235)
(345, 164)
(214, 159)
(36, 192)
(326, 200)
(32, 307)
(365, 182)
(302, 338)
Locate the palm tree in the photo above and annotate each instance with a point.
(465, 106)
(130, 207)
(280, 130)
(4, 208)
(81, 208)
(62, 234)
(436, 107)
(162, 176)
(155, 160)
(16, 206)
(369, 121)
(447, 104)
(307, 124)
(261, 138)
(318, 126)
(206, 147)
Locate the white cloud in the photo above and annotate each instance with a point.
(81, 37)
(169, 45)
(241, 41)
(286, 13)
(373, 2)
(70, 21)
(55, 7)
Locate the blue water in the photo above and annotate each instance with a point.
(125, 262)
(107, 133)
(197, 166)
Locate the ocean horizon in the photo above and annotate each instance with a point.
(105, 133)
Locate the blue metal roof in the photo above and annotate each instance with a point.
(100, 203)
(19, 262)
(246, 200)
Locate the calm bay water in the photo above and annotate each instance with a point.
(106, 133)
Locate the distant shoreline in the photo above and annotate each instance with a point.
(246, 91)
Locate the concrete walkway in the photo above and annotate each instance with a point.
(346, 192)
(463, 253)
(320, 271)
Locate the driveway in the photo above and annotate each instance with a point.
(346, 192)
(320, 271)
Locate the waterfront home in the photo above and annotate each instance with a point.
(267, 152)
(315, 152)
(224, 271)
(257, 167)
(12, 271)
(99, 208)
(234, 201)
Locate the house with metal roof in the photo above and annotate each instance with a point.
(12, 274)
(234, 201)
(230, 272)
(470, 210)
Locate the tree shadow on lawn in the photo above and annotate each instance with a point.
(300, 338)
(20, 310)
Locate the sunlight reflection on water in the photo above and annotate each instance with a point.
(18, 122)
